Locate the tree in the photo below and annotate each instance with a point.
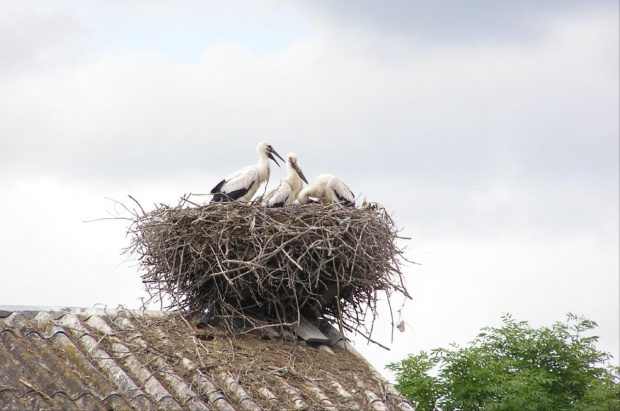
(514, 367)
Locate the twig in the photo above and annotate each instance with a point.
(253, 261)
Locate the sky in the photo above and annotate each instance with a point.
(488, 130)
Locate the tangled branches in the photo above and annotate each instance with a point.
(275, 264)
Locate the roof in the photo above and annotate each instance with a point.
(71, 358)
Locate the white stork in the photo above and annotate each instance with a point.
(242, 184)
(287, 191)
(328, 189)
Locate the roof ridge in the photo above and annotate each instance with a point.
(30, 311)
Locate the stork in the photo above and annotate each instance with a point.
(242, 184)
(328, 189)
(287, 191)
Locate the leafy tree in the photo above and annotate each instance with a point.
(514, 367)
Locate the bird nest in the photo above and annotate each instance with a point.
(274, 264)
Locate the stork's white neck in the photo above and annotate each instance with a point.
(315, 190)
(263, 168)
(293, 180)
(290, 171)
(304, 197)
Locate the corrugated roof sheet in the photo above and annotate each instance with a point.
(63, 358)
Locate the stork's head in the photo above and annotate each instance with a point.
(291, 161)
(266, 148)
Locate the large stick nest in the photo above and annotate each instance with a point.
(275, 264)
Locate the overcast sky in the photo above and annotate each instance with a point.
(490, 131)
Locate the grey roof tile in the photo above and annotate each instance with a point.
(95, 359)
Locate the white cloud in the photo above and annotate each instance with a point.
(36, 35)
(463, 108)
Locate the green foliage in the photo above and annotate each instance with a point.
(514, 367)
